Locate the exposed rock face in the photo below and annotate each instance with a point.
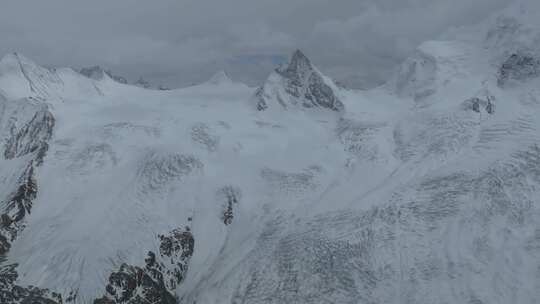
(94, 72)
(518, 67)
(231, 196)
(136, 285)
(156, 281)
(141, 82)
(97, 73)
(145, 84)
(202, 135)
(14, 294)
(33, 137)
(17, 206)
(24, 139)
(176, 248)
(478, 105)
(298, 84)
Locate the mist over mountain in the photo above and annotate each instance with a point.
(357, 42)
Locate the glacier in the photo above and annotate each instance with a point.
(423, 190)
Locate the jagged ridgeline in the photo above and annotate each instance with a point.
(27, 127)
(157, 280)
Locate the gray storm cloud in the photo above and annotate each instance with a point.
(177, 42)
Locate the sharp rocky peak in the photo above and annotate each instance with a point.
(299, 84)
(298, 66)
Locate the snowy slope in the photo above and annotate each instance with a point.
(425, 190)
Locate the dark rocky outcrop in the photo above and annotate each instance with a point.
(131, 284)
(203, 135)
(262, 103)
(157, 280)
(231, 197)
(143, 83)
(302, 84)
(33, 137)
(177, 248)
(478, 105)
(518, 67)
(31, 140)
(17, 206)
(97, 73)
(10, 293)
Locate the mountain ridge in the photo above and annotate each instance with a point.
(423, 190)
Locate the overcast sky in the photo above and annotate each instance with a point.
(177, 42)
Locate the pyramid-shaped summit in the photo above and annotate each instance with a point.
(220, 77)
(298, 84)
(297, 68)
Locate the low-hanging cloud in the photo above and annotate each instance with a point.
(176, 42)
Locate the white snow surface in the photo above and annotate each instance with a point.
(408, 196)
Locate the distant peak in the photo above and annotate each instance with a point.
(15, 62)
(298, 66)
(299, 84)
(299, 57)
(12, 56)
(219, 78)
(98, 73)
(94, 72)
(9, 57)
(143, 83)
(15, 57)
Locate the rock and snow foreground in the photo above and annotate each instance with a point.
(426, 190)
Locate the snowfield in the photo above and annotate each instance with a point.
(425, 190)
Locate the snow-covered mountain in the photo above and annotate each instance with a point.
(220, 78)
(298, 84)
(425, 190)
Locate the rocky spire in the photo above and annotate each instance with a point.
(298, 84)
(298, 67)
